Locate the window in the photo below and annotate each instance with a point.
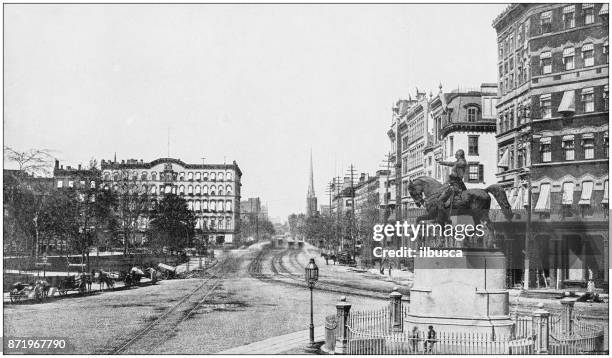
(545, 149)
(228, 190)
(605, 98)
(473, 145)
(228, 223)
(197, 190)
(190, 189)
(589, 13)
(181, 176)
(588, 143)
(568, 147)
(605, 51)
(472, 114)
(189, 205)
(205, 205)
(452, 150)
(70, 183)
(182, 190)
(588, 52)
(546, 21)
(220, 205)
(213, 190)
(588, 99)
(168, 189)
(228, 176)
(228, 206)
(473, 172)
(60, 183)
(220, 176)
(568, 17)
(568, 58)
(546, 62)
(153, 189)
(213, 176)
(197, 205)
(545, 106)
(190, 176)
(198, 176)
(220, 189)
(92, 184)
(153, 176)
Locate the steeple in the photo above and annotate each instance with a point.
(311, 192)
(311, 199)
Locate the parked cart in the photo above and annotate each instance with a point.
(38, 290)
(81, 283)
(166, 271)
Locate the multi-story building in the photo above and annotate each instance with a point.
(212, 191)
(408, 135)
(552, 134)
(464, 119)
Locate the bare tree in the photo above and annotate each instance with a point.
(32, 161)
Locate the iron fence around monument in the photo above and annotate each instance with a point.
(371, 332)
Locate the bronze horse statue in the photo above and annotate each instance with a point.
(426, 191)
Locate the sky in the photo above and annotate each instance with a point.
(259, 84)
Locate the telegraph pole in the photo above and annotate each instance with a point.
(352, 220)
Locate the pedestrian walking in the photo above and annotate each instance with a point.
(390, 269)
(415, 339)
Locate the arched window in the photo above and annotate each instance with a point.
(144, 188)
(213, 176)
(228, 205)
(197, 190)
(205, 175)
(228, 190)
(213, 205)
(212, 224)
(116, 176)
(205, 189)
(153, 176)
(220, 189)
(143, 176)
(228, 224)
(182, 190)
(213, 190)
(228, 176)
(134, 175)
(174, 189)
(220, 205)
(168, 189)
(205, 205)
(106, 176)
(153, 189)
(182, 176)
(472, 114)
(190, 189)
(220, 176)
(197, 205)
(190, 205)
(190, 176)
(198, 176)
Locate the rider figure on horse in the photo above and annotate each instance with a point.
(455, 178)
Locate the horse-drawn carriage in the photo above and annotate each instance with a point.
(166, 271)
(133, 276)
(39, 290)
(81, 283)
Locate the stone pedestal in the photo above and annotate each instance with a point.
(461, 294)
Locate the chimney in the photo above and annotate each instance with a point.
(56, 164)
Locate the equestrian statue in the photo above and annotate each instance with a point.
(453, 198)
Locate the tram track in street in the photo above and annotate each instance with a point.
(159, 331)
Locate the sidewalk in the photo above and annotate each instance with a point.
(293, 343)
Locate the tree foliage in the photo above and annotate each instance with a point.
(172, 223)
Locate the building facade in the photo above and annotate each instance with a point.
(212, 191)
(552, 134)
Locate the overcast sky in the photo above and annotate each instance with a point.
(258, 84)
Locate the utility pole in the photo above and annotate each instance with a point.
(330, 190)
(386, 200)
(338, 229)
(352, 219)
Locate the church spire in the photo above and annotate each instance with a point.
(311, 192)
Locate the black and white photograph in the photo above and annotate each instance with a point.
(305, 178)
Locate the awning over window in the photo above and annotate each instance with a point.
(546, 54)
(605, 197)
(568, 194)
(568, 52)
(587, 6)
(604, 9)
(519, 202)
(587, 90)
(587, 47)
(548, 14)
(504, 161)
(569, 9)
(568, 137)
(587, 190)
(545, 140)
(568, 105)
(543, 203)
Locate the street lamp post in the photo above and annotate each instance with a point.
(312, 276)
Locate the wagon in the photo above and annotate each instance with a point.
(166, 271)
(81, 283)
(21, 291)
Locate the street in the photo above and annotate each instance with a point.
(250, 295)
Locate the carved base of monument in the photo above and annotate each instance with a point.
(461, 294)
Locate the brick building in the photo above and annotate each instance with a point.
(552, 134)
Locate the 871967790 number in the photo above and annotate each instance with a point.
(36, 345)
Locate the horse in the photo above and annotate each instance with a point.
(104, 278)
(41, 287)
(426, 191)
